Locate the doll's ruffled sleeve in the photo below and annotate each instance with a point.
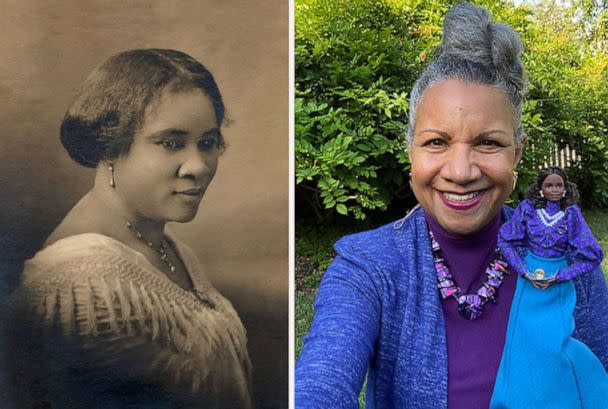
(584, 252)
(513, 237)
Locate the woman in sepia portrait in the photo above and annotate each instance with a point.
(424, 310)
(114, 310)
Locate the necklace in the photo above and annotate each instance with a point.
(162, 249)
(470, 306)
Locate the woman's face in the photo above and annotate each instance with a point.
(553, 187)
(463, 154)
(172, 158)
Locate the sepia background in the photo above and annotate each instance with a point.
(241, 231)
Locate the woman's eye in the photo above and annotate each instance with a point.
(206, 144)
(489, 145)
(171, 144)
(489, 142)
(435, 142)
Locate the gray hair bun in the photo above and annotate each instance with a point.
(469, 34)
(478, 50)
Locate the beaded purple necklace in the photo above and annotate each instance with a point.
(470, 306)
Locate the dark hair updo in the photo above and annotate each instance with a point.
(110, 107)
(571, 197)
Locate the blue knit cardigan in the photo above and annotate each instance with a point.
(378, 312)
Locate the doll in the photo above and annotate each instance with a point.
(549, 245)
(549, 224)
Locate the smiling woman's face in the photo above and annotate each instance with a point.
(172, 159)
(463, 154)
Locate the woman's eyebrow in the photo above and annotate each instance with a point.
(438, 132)
(176, 132)
(211, 132)
(168, 132)
(491, 131)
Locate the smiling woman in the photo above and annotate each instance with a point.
(114, 311)
(463, 154)
(421, 306)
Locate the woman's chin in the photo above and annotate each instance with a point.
(465, 223)
(185, 218)
(183, 215)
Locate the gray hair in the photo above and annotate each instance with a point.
(475, 49)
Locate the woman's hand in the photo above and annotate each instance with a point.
(540, 283)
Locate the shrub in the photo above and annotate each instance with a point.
(356, 60)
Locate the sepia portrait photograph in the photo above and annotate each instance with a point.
(144, 204)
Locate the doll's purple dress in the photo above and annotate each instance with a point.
(542, 364)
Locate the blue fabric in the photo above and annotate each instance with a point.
(378, 311)
(542, 366)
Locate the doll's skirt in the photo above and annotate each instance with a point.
(542, 366)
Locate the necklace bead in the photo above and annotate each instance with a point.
(470, 306)
(162, 249)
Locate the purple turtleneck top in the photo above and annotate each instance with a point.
(474, 347)
(550, 232)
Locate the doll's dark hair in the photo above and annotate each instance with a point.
(534, 191)
(110, 107)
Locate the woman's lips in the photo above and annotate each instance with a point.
(462, 201)
(191, 192)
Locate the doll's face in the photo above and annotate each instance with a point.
(553, 187)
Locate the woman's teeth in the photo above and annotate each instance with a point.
(460, 198)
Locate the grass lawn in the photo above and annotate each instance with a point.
(598, 222)
(303, 316)
(314, 252)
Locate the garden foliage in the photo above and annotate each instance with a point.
(356, 61)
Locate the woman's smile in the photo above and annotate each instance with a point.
(191, 197)
(462, 201)
(196, 192)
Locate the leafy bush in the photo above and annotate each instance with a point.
(353, 64)
(568, 72)
(356, 60)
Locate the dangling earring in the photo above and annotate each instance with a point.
(541, 194)
(515, 176)
(410, 181)
(564, 193)
(111, 169)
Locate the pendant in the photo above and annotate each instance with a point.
(470, 306)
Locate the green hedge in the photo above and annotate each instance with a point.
(356, 61)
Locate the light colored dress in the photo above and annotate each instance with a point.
(96, 325)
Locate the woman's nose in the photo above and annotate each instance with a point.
(194, 164)
(460, 166)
